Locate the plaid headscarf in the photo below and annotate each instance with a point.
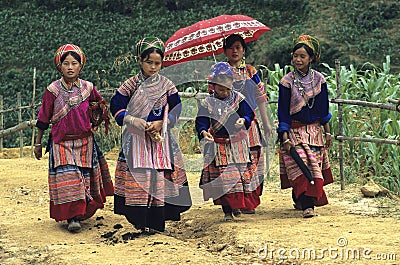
(311, 42)
(68, 48)
(147, 43)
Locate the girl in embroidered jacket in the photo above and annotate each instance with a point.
(248, 82)
(150, 180)
(222, 122)
(79, 179)
(303, 114)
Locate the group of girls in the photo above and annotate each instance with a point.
(151, 185)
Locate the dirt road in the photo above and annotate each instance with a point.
(350, 230)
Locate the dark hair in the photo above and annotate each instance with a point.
(308, 50)
(145, 55)
(231, 39)
(73, 54)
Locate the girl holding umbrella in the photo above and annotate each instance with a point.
(248, 82)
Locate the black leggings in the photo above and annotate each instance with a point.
(305, 201)
(226, 209)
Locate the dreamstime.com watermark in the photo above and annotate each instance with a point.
(339, 252)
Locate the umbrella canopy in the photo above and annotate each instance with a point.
(206, 37)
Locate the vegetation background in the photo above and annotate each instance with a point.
(354, 31)
(364, 35)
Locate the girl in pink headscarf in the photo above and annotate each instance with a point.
(79, 179)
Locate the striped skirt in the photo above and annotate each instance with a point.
(233, 182)
(79, 179)
(309, 144)
(148, 197)
(153, 182)
(257, 152)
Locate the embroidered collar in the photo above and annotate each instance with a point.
(68, 86)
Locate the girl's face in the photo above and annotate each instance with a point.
(301, 60)
(152, 64)
(70, 68)
(235, 53)
(223, 89)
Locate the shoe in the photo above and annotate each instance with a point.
(309, 212)
(249, 211)
(237, 213)
(74, 226)
(228, 217)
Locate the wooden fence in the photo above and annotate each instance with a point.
(393, 105)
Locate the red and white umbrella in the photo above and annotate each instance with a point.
(206, 37)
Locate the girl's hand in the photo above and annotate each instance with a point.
(137, 123)
(154, 127)
(207, 136)
(287, 144)
(239, 123)
(328, 140)
(268, 131)
(38, 152)
(153, 130)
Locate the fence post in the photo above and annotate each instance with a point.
(21, 140)
(33, 110)
(340, 122)
(1, 122)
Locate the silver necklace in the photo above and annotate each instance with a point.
(302, 85)
(67, 97)
(157, 112)
(241, 81)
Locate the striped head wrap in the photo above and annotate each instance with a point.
(147, 43)
(311, 42)
(68, 48)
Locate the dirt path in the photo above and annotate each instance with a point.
(350, 230)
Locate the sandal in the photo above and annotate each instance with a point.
(309, 212)
(228, 217)
(237, 213)
(74, 225)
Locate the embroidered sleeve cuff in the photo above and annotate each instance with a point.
(119, 117)
(42, 125)
(247, 121)
(282, 127)
(326, 119)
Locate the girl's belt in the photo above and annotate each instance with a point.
(230, 138)
(77, 136)
(296, 124)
